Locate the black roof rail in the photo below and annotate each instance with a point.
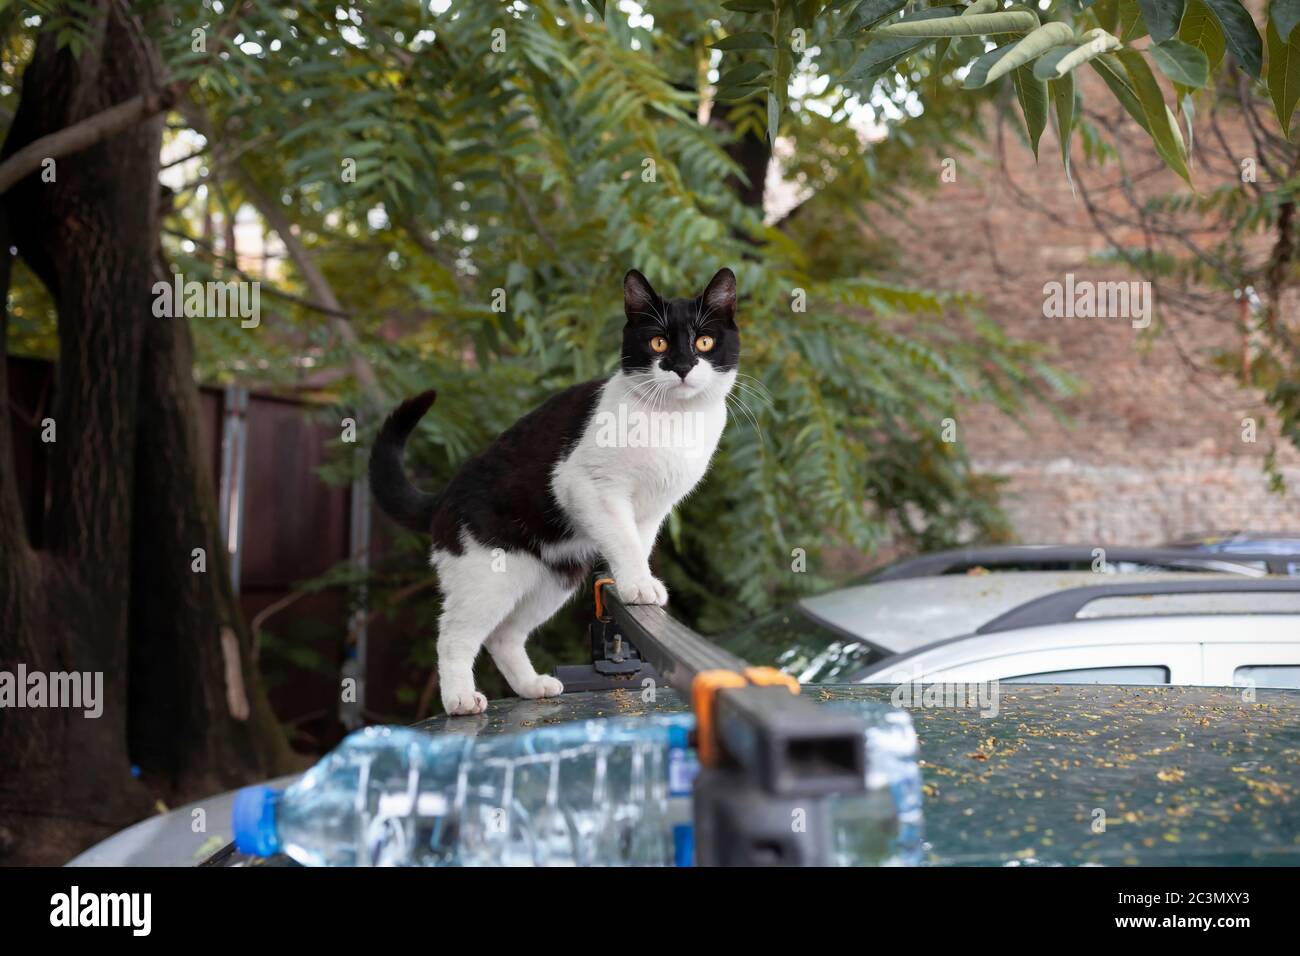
(770, 751)
(1060, 607)
(960, 560)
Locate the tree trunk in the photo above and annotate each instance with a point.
(751, 153)
(199, 721)
(112, 592)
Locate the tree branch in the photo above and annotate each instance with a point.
(321, 290)
(266, 287)
(102, 125)
(88, 132)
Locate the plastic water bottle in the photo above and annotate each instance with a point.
(598, 792)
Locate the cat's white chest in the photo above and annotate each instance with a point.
(650, 457)
(674, 459)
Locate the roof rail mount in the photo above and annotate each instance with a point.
(615, 663)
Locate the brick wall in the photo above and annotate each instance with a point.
(1155, 446)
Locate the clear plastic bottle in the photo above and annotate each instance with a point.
(598, 792)
(589, 792)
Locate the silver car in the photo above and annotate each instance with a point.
(1040, 626)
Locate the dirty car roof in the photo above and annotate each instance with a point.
(1181, 775)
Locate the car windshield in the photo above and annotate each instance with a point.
(800, 645)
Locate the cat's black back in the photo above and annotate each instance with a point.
(502, 496)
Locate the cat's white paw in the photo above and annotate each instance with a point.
(541, 686)
(470, 702)
(645, 589)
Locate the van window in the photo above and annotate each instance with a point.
(1268, 675)
(1098, 675)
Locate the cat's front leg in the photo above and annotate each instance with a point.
(608, 519)
(648, 530)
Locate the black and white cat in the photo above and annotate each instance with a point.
(592, 471)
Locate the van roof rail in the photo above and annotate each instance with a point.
(1060, 557)
(1060, 607)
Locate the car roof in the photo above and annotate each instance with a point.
(1179, 780)
(905, 615)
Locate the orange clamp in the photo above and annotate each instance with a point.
(704, 698)
(704, 695)
(600, 604)
(771, 677)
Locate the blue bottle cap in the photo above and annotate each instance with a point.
(253, 819)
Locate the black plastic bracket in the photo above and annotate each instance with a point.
(615, 663)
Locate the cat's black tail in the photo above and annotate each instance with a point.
(399, 499)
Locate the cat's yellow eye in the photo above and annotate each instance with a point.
(659, 343)
(704, 343)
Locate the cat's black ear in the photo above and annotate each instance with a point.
(639, 298)
(719, 296)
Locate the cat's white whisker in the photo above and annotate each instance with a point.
(749, 392)
(754, 384)
(734, 400)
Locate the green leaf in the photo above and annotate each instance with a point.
(1032, 93)
(1285, 14)
(979, 24)
(1131, 25)
(1161, 17)
(1062, 90)
(870, 12)
(1022, 51)
(1062, 60)
(1283, 74)
(1045, 65)
(1160, 123)
(1240, 33)
(752, 40)
(773, 117)
(598, 6)
(883, 52)
(1110, 70)
(748, 6)
(730, 94)
(1188, 107)
(1201, 30)
(745, 73)
(978, 75)
(1181, 62)
(1107, 13)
